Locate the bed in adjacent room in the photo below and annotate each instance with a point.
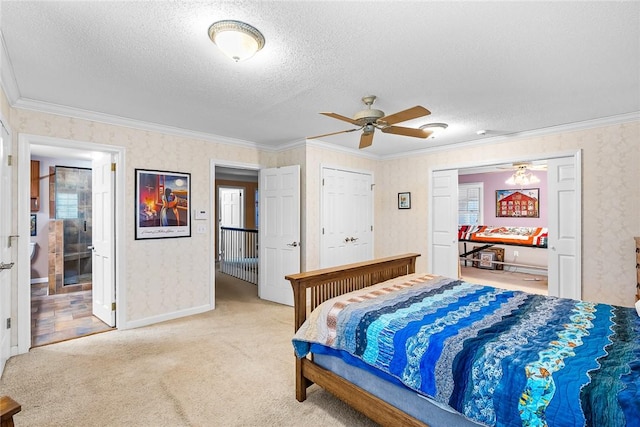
(488, 237)
(408, 348)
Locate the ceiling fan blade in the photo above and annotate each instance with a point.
(366, 140)
(403, 116)
(340, 117)
(332, 133)
(399, 130)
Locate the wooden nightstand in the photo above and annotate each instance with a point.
(8, 408)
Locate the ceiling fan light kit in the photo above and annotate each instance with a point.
(522, 176)
(371, 119)
(238, 40)
(434, 128)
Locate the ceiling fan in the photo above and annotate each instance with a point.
(522, 173)
(524, 166)
(369, 119)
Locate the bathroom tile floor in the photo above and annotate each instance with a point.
(61, 317)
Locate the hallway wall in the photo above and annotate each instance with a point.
(163, 278)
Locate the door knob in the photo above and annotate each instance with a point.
(353, 239)
(294, 244)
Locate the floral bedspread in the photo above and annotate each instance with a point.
(500, 357)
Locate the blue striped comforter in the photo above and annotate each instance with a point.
(500, 357)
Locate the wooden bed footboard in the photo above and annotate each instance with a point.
(311, 289)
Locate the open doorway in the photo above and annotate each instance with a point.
(563, 222)
(61, 246)
(236, 220)
(72, 291)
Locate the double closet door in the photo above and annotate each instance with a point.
(347, 217)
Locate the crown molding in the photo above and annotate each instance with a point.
(569, 127)
(340, 149)
(61, 110)
(8, 83)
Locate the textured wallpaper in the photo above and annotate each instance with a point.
(610, 201)
(162, 276)
(172, 275)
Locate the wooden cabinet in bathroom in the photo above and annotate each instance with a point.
(35, 185)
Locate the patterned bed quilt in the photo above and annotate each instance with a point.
(523, 236)
(499, 357)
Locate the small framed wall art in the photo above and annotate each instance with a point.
(404, 200)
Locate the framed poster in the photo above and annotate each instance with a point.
(163, 201)
(404, 200)
(523, 203)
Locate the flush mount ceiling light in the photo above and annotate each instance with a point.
(522, 176)
(435, 128)
(238, 40)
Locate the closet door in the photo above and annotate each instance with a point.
(347, 217)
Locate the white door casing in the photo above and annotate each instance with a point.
(23, 298)
(347, 217)
(6, 252)
(565, 228)
(103, 276)
(279, 232)
(444, 223)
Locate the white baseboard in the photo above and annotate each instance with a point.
(39, 280)
(164, 317)
(512, 269)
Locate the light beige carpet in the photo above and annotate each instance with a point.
(233, 366)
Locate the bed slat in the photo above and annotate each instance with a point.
(312, 288)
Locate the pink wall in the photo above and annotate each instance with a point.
(495, 181)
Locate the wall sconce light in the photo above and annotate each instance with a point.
(238, 40)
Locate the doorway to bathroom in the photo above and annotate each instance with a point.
(62, 246)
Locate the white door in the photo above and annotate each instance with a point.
(279, 232)
(444, 223)
(230, 212)
(6, 257)
(347, 217)
(565, 229)
(103, 276)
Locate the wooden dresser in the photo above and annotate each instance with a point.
(637, 268)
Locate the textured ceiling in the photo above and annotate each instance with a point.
(506, 67)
